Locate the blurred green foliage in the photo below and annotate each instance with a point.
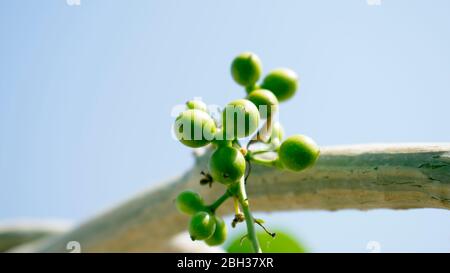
(282, 243)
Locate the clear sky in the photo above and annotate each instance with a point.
(86, 94)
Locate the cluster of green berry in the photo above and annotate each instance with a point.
(230, 161)
(204, 224)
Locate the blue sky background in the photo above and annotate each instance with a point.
(86, 94)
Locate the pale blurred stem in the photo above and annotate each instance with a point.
(361, 177)
(262, 151)
(265, 162)
(265, 130)
(257, 152)
(263, 134)
(251, 233)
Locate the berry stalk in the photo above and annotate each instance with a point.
(214, 206)
(251, 233)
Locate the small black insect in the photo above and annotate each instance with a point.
(207, 179)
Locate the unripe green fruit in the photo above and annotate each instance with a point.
(226, 165)
(220, 233)
(197, 104)
(246, 69)
(194, 128)
(298, 152)
(282, 82)
(189, 202)
(240, 118)
(202, 226)
(220, 139)
(265, 101)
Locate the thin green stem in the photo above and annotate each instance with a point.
(266, 162)
(266, 130)
(257, 152)
(251, 233)
(214, 206)
(218, 143)
(250, 88)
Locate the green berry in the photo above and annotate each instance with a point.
(240, 118)
(226, 165)
(265, 101)
(197, 104)
(246, 69)
(220, 138)
(194, 128)
(219, 235)
(298, 152)
(189, 202)
(282, 82)
(202, 226)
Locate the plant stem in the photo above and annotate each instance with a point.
(251, 233)
(257, 152)
(266, 130)
(219, 201)
(236, 206)
(266, 162)
(249, 89)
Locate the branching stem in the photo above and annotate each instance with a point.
(242, 195)
(266, 162)
(219, 201)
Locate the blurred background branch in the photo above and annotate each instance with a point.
(395, 176)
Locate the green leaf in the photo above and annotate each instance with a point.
(282, 243)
